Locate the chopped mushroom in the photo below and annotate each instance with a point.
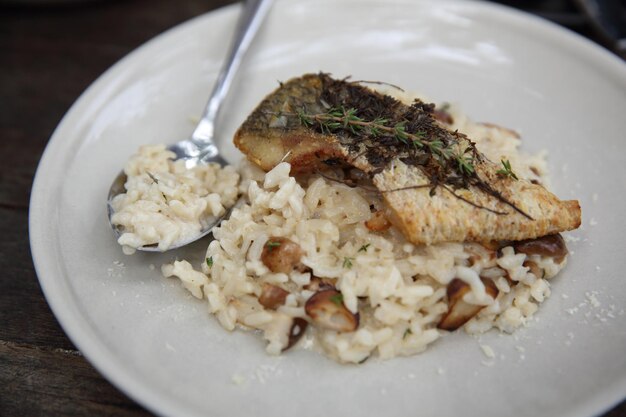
(318, 284)
(326, 310)
(378, 222)
(281, 254)
(534, 268)
(272, 296)
(281, 331)
(551, 245)
(297, 330)
(459, 311)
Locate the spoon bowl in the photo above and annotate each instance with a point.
(118, 187)
(201, 148)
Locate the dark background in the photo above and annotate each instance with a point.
(49, 53)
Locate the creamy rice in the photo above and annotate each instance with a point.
(395, 291)
(165, 203)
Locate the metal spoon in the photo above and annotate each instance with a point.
(200, 147)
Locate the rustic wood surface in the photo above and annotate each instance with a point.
(49, 53)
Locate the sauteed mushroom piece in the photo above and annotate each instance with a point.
(281, 254)
(459, 311)
(297, 330)
(326, 310)
(551, 245)
(272, 296)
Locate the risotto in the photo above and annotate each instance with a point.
(314, 255)
(165, 203)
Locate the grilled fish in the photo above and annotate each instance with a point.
(437, 187)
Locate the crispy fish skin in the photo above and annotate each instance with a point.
(267, 138)
(425, 215)
(426, 219)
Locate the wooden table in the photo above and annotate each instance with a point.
(48, 56)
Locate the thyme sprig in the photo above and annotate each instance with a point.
(156, 181)
(455, 154)
(271, 245)
(152, 177)
(347, 119)
(506, 171)
(337, 299)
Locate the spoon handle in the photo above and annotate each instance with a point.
(252, 15)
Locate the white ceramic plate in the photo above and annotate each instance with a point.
(156, 343)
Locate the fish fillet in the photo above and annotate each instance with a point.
(431, 194)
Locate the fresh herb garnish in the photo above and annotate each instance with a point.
(156, 181)
(209, 261)
(336, 298)
(347, 262)
(456, 158)
(271, 245)
(465, 161)
(506, 171)
(364, 247)
(336, 119)
(406, 333)
(152, 177)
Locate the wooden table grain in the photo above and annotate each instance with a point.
(49, 54)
